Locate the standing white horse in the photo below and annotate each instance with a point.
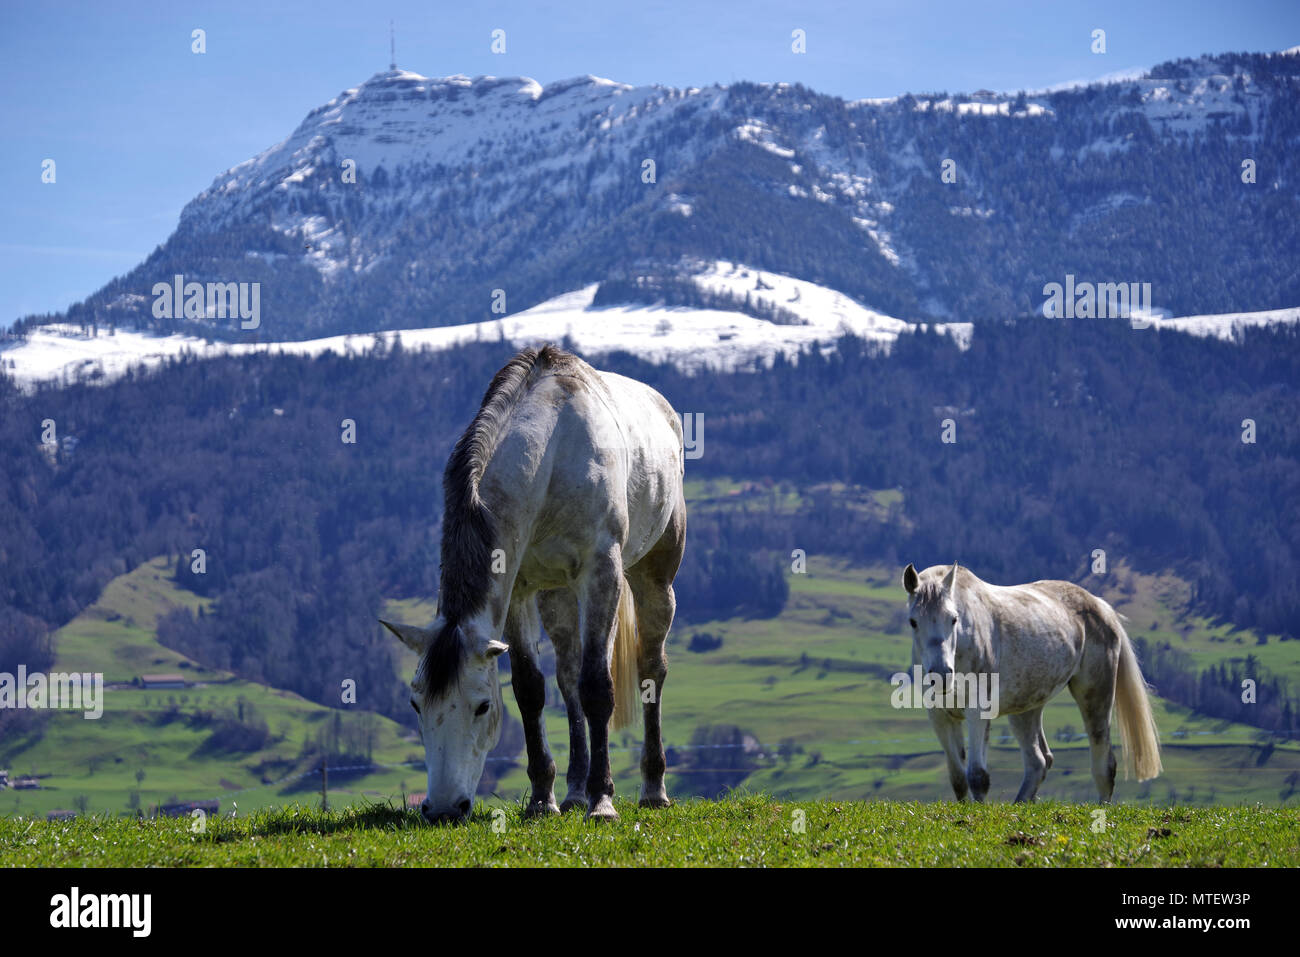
(563, 502)
(1037, 639)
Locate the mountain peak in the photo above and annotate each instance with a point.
(385, 76)
(525, 86)
(410, 82)
(404, 198)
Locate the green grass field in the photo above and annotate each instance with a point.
(740, 831)
(817, 676)
(149, 731)
(810, 689)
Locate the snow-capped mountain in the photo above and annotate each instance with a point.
(411, 202)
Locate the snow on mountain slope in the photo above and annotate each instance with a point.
(693, 339)
(399, 118)
(1209, 91)
(1229, 325)
(822, 308)
(437, 134)
(435, 138)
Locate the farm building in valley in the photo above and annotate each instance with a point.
(161, 682)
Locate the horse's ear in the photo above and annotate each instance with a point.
(950, 579)
(417, 639)
(910, 580)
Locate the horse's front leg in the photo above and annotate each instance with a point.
(522, 632)
(948, 730)
(1028, 728)
(977, 769)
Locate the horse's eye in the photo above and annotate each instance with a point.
(913, 621)
(954, 620)
(481, 710)
(415, 706)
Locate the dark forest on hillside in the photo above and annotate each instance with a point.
(1069, 437)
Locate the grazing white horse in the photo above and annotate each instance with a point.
(1037, 639)
(564, 508)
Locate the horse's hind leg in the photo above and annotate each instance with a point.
(559, 608)
(654, 612)
(651, 580)
(600, 593)
(526, 678)
(1093, 688)
(1028, 728)
(948, 730)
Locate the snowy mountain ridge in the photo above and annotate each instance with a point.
(410, 201)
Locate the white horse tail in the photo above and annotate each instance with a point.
(1137, 725)
(627, 649)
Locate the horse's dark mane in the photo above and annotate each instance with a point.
(468, 536)
(440, 665)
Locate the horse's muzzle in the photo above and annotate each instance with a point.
(942, 674)
(453, 815)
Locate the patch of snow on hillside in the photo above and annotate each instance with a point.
(677, 204)
(823, 309)
(692, 339)
(1228, 325)
(63, 353)
(760, 134)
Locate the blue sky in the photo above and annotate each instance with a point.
(138, 124)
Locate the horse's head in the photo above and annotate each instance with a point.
(457, 698)
(934, 611)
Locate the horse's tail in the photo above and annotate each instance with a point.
(623, 666)
(1137, 725)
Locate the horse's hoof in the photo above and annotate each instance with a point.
(603, 811)
(656, 801)
(573, 804)
(541, 809)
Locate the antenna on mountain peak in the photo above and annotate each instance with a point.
(392, 46)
